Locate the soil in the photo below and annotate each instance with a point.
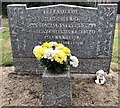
(26, 90)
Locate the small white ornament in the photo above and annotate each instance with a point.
(100, 77)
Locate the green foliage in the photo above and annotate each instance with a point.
(55, 67)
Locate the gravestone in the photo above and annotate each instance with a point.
(87, 31)
(0, 25)
(0, 21)
(2, 29)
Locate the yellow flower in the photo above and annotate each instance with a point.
(66, 51)
(60, 57)
(53, 43)
(47, 45)
(39, 52)
(59, 45)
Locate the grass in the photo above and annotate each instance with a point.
(7, 58)
(115, 55)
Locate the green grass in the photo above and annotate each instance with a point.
(7, 58)
(116, 48)
(115, 55)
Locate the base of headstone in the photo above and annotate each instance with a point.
(57, 89)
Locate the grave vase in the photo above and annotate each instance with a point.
(57, 89)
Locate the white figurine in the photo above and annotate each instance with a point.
(100, 77)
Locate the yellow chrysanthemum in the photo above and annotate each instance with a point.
(66, 51)
(47, 45)
(60, 57)
(39, 52)
(59, 45)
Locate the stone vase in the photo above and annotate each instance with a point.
(57, 89)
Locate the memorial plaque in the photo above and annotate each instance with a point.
(71, 26)
(87, 31)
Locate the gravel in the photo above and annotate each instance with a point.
(26, 90)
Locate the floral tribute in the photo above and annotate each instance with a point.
(55, 56)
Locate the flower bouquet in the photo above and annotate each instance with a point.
(55, 56)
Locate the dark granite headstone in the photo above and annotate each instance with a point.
(88, 31)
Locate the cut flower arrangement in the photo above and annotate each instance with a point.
(55, 56)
